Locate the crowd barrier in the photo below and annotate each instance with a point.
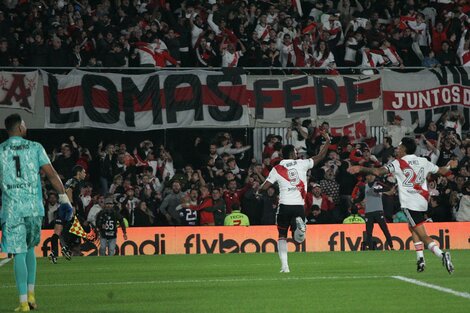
(260, 239)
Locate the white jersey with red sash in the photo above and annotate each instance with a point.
(411, 172)
(291, 175)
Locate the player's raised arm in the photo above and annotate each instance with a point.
(323, 151)
(443, 170)
(377, 171)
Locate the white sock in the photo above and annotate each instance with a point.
(419, 247)
(31, 288)
(23, 298)
(282, 251)
(435, 249)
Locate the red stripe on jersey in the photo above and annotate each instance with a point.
(418, 187)
(281, 170)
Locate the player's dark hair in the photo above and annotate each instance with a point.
(76, 169)
(409, 144)
(388, 140)
(287, 151)
(12, 121)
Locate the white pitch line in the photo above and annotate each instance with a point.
(201, 281)
(435, 287)
(4, 261)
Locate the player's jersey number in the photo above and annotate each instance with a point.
(237, 222)
(16, 158)
(109, 225)
(409, 173)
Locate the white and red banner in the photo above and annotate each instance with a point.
(425, 94)
(355, 127)
(18, 90)
(169, 99)
(165, 99)
(277, 99)
(201, 98)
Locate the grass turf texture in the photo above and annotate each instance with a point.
(318, 282)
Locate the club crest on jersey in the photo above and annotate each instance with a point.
(293, 177)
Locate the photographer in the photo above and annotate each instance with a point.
(298, 135)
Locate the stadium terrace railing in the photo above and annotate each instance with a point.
(248, 70)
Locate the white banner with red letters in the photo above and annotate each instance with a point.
(18, 90)
(426, 94)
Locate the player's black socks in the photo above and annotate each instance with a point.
(55, 244)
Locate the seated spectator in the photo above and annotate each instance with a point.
(143, 215)
(438, 212)
(317, 216)
(236, 218)
(315, 196)
(446, 56)
(430, 61)
(354, 218)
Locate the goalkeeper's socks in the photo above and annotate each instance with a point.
(282, 251)
(55, 244)
(31, 267)
(435, 249)
(21, 275)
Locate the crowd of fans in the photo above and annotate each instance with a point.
(216, 179)
(210, 33)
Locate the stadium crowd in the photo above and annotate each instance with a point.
(220, 177)
(210, 33)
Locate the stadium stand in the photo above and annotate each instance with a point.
(229, 33)
(311, 34)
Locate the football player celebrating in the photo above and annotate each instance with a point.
(23, 209)
(291, 175)
(411, 172)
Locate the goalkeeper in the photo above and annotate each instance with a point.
(23, 208)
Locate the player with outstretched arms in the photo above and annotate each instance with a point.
(411, 172)
(291, 176)
(23, 207)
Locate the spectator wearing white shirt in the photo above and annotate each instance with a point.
(323, 56)
(372, 60)
(422, 34)
(95, 209)
(397, 131)
(230, 56)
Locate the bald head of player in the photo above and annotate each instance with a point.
(406, 146)
(15, 126)
(289, 152)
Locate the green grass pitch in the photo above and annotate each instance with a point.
(318, 282)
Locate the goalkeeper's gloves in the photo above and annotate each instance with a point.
(64, 199)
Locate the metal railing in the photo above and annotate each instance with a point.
(248, 70)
